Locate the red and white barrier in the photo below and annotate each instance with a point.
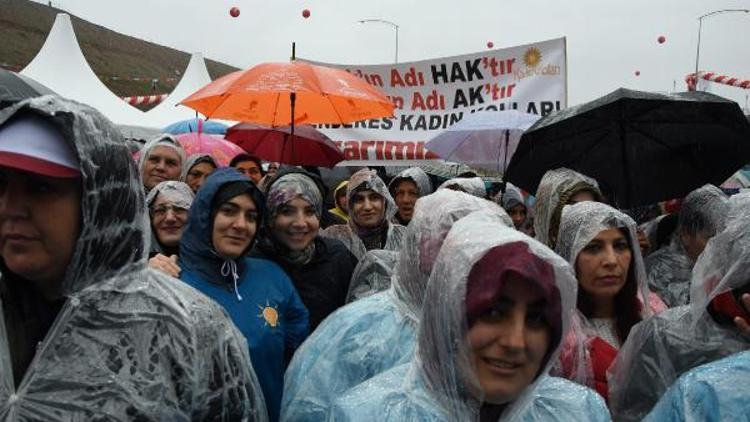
(145, 100)
(717, 78)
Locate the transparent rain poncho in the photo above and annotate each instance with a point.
(129, 343)
(418, 176)
(715, 391)
(703, 213)
(351, 234)
(178, 194)
(511, 197)
(471, 185)
(372, 274)
(555, 190)
(665, 346)
(196, 159)
(580, 224)
(439, 383)
(374, 334)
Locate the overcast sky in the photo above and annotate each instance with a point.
(607, 40)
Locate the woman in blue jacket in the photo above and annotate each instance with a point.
(256, 293)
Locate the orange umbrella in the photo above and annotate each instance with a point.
(269, 93)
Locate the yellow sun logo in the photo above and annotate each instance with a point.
(270, 314)
(532, 57)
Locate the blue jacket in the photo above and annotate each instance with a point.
(355, 343)
(717, 391)
(265, 306)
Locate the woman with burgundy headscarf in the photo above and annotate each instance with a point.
(497, 305)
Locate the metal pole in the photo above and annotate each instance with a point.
(387, 23)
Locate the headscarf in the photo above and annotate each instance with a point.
(555, 190)
(366, 179)
(163, 140)
(338, 211)
(416, 175)
(443, 356)
(471, 185)
(193, 161)
(178, 194)
(284, 188)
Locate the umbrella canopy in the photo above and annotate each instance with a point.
(220, 149)
(308, 148)
(485, 139)
(642, 147)
(196, 125)
(15, 87)
(269, 93)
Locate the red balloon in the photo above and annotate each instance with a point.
(637, 73)
(661, 39)
(306, 13)
(490, 44)
(234, 12)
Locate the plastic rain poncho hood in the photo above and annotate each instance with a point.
(129, 342)
(375, 333)
(178, 194)
(415, 174)
(511, 198)
(555, 190)
(579, 225)
(703, 212)
(662, 348)
(471, 185)
(349, 234)
(440, 383)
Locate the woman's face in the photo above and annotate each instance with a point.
(163, 163)
(168, 221)
(602, 265)
(295, 224)
(198, 174)
(518, 215)
(234, 226)
(368, 209)
(40, 220)
(509, 342)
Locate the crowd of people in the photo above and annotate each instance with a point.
(172, 288)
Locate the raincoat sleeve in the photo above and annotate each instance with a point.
(716, 391)
(372, 274)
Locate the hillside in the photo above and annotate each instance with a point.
(116, 58)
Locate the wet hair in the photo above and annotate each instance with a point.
(627, 311)
(241, 158)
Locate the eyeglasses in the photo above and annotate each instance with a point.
(161, 211)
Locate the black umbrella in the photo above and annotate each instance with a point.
(15, 87)
(642, 147)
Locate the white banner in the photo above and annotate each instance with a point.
(431, 95)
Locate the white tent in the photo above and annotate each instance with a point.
(194, 78)
(61, 66)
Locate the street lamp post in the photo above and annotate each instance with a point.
(700, 25)
(387, 23)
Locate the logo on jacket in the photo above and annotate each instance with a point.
(269, 314)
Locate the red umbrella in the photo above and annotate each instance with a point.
(309, 148)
